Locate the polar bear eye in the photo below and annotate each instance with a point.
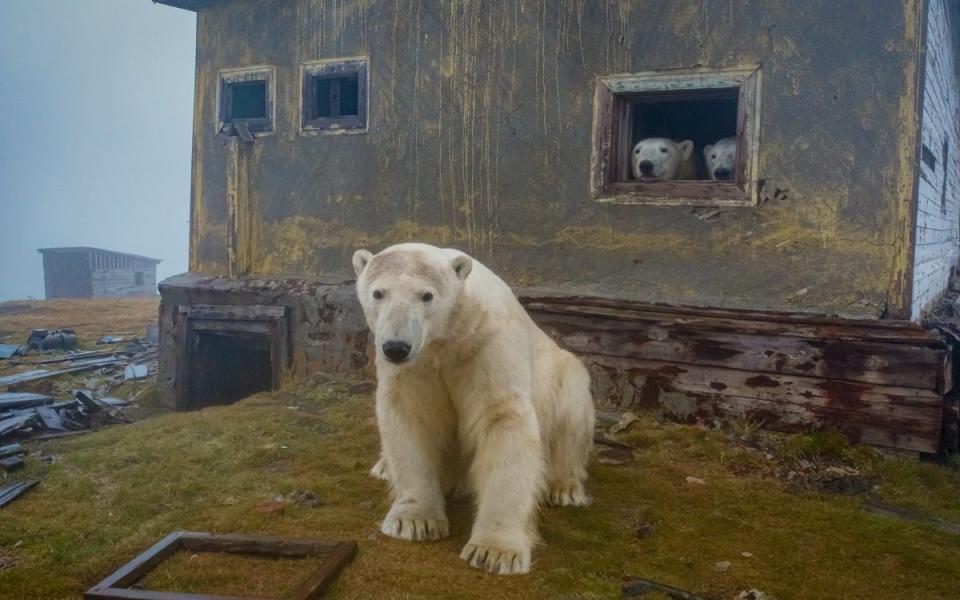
(713, 156)
(427, 297)
(664, 150)
(377, 295)
(637, 151)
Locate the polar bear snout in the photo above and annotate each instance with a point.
(396, 351)
(721, 174)
(646, 168)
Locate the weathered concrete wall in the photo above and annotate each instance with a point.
(938, 205)
(480, 137)
(326, 328)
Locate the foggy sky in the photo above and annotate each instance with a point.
(96, 101)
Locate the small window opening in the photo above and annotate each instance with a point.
(677, 137)
(138, 278)
(703, 118)
(334, 95)
(246, 96)
(248, 100)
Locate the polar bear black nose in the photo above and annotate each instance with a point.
(396, 351)
(646, 167)
(722, 173)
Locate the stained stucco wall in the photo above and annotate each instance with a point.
(480, 137)
(938, 205)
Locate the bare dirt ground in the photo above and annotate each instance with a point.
(716, 509)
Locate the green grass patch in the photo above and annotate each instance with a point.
(113, 493)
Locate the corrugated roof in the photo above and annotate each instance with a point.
(68, 249)
(193, 5)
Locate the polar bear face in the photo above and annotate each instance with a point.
(408, 293)
(659, 157)
(721, 159)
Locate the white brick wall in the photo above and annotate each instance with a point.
(938, 212)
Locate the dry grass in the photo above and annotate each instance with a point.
(91, 319)
(111, 494)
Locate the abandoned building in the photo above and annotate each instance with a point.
(81, 272)
(791, 294)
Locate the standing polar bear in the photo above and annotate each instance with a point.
(472, 396)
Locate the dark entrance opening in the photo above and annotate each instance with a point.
(230, 367)
(229, 353)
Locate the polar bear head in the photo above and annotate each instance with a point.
(408, 292)
(721, 159)
(659, 157)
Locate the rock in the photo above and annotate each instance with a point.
(608, 455)
(723, 566)
(644, 531)
(696, 481)
(746, 554)
(754, 595)
(304, 498)
(624, 423)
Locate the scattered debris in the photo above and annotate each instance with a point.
(135, 372)
(624, 423)
(271, 506)
(644, 530)
(11, 463)
(38, 374)
(876, 506)
(110, 339)
(636, 588)
(11, 491)
(754, 595)
(153, 333)
(9, 351)
(610, 452)
(304, 498)
(11, 450)
(746, 554)
(696, 481)
(41, 340)
(723, 566)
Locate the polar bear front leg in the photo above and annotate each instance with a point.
(507, 476)
(414, 455)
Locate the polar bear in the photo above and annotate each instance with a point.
(721, 159)
(663, 158)
(471, 396)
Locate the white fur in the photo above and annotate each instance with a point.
(721, 156)
(486, 404)
(665, 155)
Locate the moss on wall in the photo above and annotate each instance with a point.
(480, 137)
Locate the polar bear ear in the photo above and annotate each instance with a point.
(706, 150)
(360, 260)
(462, 265)
(686, 148)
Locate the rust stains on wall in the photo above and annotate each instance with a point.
(480, 133)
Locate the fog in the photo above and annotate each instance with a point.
(96, 102)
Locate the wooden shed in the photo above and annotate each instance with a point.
(791, 293)
(82, 272)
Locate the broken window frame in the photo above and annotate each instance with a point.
(335, 556)
(330, 69)
(227, 78)
(614, 98)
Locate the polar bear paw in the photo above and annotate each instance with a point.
(379, 470)
(501, 561)
(415, 528)
(567, 493)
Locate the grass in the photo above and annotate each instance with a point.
(113, 493)
(91, 319)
